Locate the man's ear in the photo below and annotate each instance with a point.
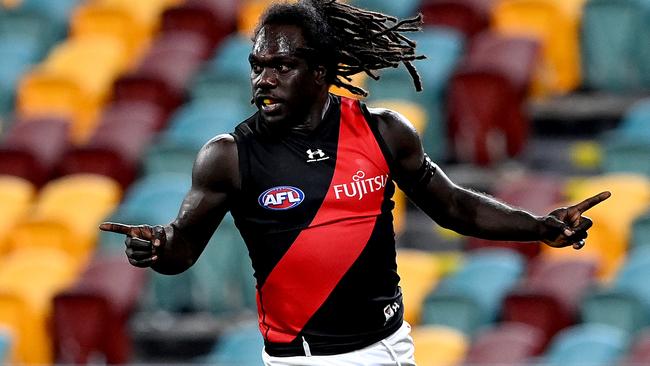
(320, 74)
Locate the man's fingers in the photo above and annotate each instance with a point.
(138, 244)
(116, 228)
(591, 201)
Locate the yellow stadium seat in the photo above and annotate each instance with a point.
(113, 21)
(419, 273)
(250, 13)
(16, 196)
(438, 345)
(73, 82)
(66, 214)
(609, 237)
(29, 279)
(555, 23)
(145, 12)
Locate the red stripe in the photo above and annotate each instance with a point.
(322, 253)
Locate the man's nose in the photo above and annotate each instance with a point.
(268, 78)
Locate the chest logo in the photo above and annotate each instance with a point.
(360, 186)
(281, 198)
(316, 155)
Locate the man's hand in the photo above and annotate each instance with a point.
(143, 242)
(566, 226)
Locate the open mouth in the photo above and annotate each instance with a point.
(269, 105)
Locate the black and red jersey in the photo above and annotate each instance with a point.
(315, 212)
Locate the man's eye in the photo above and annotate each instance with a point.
(256, 69)
(283, 68)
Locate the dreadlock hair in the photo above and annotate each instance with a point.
(348, 40)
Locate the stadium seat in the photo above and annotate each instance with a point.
(625, 304)
(91, 316)
(29, 278)
(516, 191)
(439, 345)
(419, 273)
(549, 297)
(153, 199)
(16, 196)
(555, 23)
(32, 149)
(134, 87)
(6, 339)
(212, 19)
(593, 344)
(486, 96)
(508, 343)
(227, 74)
(249, 13)
(116, 147)
(66, 214)
(626, 155)
(113, 21)
(470, 17)
(57, 12)
(74, 82)
(641, 231)
(471, 297)
(238, 346)
(614, 38)
(174, 67)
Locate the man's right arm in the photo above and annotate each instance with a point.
(173, 248)
(214, 177)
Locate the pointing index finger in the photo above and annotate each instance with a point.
(116, 228)
(592, 201)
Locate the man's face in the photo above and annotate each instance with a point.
(284, 87)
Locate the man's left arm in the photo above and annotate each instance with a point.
(468, 212)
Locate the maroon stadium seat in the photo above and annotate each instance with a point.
(139, 87)
(507, 343)
(470, 17)
(91, 316)
(33, 148)
(548, 192)
(213, 20)
(486, 98)
(117, 146)
(174, 67)
(550, 296)
(183, 41)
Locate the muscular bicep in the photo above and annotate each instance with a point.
(422, 180)
(214, 177)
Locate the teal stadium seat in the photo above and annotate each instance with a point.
(615, 38)
(471, 297)
(241, 346)
(443, 48)
(190, 128)
(641, 231)
(154, 199)
(227, 74)
(627, 148)
(626, 303)
(587, 344)
(5, 346)
(399, 9)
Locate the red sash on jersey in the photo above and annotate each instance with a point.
(322, 253)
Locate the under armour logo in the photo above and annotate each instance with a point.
(316, 155)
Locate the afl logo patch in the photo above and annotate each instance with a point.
(281, 198)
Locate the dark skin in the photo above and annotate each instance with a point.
(292, 95)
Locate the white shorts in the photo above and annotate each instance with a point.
(394, 350)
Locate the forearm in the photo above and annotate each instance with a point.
(487, 218)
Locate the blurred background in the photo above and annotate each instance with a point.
(104, 104)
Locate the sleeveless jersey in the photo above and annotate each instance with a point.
(315, 212)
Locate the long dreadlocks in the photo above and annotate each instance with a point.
(348, 40)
